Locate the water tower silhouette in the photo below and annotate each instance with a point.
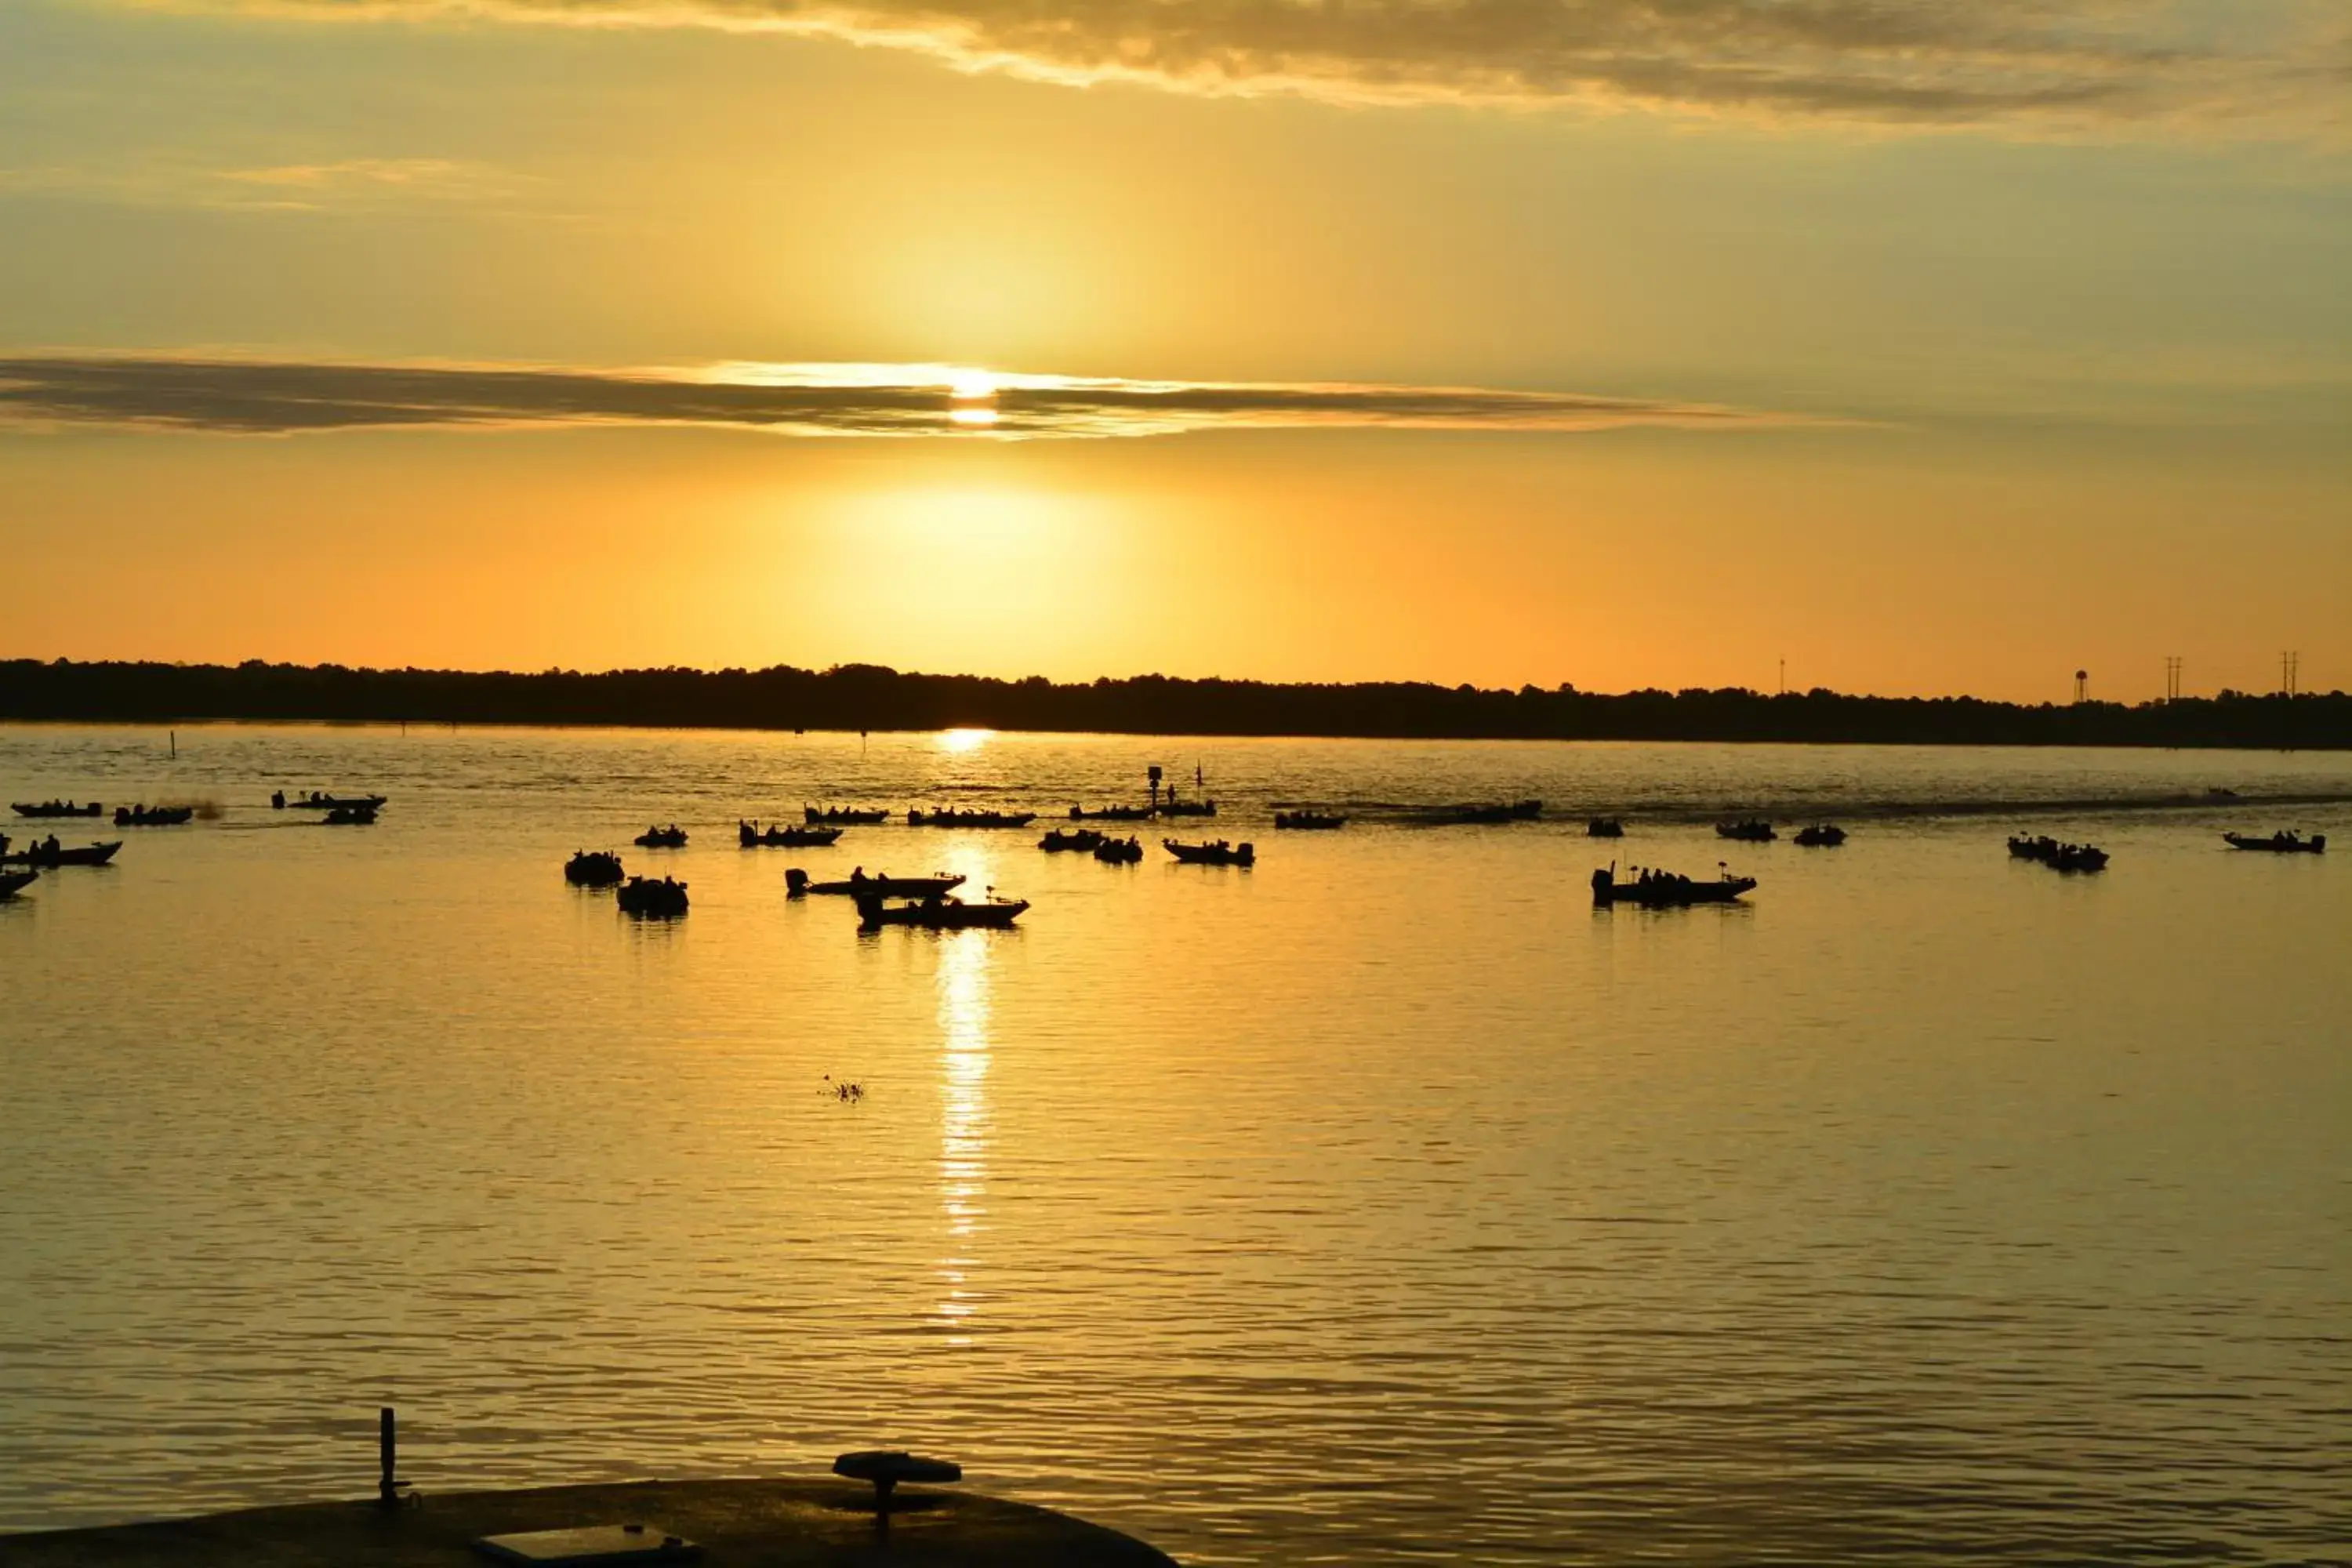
(2081, 686)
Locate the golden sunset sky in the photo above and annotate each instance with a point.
(1931, 345)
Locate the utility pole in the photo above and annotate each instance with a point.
(1784, 677)
(2290, 669)
(2172, 678)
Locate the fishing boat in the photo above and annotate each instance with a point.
(940, 913)
(1604, 827)
(1217, 854)
(1488, 815)
(651, 898)
(1666, 890)
(56, 808)
(844, 817)
(592, 869)
(15, 882)
(1172, 806)
(858, 884)
(1064, 840)
(153, 816)
(953, 817)
(351, 816)
(670, 837)
(2058, 857)
(1822, 836)
(1120, 851)
(314, 801)
(1309, 821)
(751, 836)
(1755, 830)
(48, 852)
(2281, 843)
(1112, 814)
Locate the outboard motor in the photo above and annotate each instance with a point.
(2319, 843)
(1604, 886)
(796, 883)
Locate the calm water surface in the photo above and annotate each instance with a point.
(1383, 1205)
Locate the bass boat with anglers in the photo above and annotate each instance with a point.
(952, 816)
(1067, 841)
(2059, 857)
(1605, 827)
(1667, 890)
(56, 808)
(1309, 821)
(858, 884)
(2280, 843)
(1220, 853)
(843, 816)
(592, 869)
(942, 912)
(776, 835)
(48, 853)
(15, 882)
(314, 801)
(1822, 836)
(145, 815)
(652, 897)
(1755, 830)
(670, 837)
(1126, 851)
(1112, 814)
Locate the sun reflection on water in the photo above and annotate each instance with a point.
(963, 1122)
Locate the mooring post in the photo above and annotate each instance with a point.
(387, 1445)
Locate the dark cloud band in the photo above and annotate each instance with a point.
(2206, 62)
(257, 397)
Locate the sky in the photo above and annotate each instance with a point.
(1910, 346)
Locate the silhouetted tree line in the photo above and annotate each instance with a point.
(871, 697)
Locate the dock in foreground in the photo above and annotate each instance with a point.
(768, 1523)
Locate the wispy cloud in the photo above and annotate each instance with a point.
(351, 185)
(2279, 65)
(284, 398)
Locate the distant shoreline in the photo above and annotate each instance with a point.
(869, 698)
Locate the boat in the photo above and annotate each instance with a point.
(48, 852)
(1217, 854)
(2280, 843)
(952, 818)
(1604, 827)
(1112, 814)
(1309, 821)
(1755, 830)
(351, 816)
(592, 869)
(1172, 806)
(1666, 890)
(153, 816)
(798, 886)
(940, 913)
(751, 835)
(1822, 836)
(652, 897)
(1120, 851)
(314, 801)
(1061, 840)
(15, 882)
(1488, 815)
(56, 808)
(670, 837)
(2048, 851)
(844, 817)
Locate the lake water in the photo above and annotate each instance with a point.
(1385, 1203)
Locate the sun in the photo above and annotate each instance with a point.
(973, 394)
